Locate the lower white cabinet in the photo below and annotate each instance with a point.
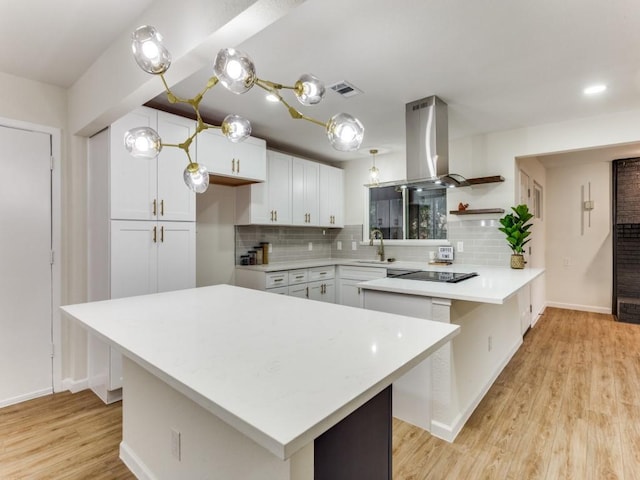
(145, 257)
(317, 283)
(348, 279)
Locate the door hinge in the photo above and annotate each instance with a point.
(530, 308)
(53, 352)
(52, 159)
(529, 250)
(52, 258)
(528, 192)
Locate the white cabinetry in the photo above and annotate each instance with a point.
(317, 283)
(149, 189)
(304, 192)
(267, 203)
(297, 192)
(348, 279)
(331, 197)
(141, 227)
(237, 163)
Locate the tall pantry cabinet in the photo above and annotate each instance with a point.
(141, 226)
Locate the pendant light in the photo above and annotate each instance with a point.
(374, 173)
(236, 71)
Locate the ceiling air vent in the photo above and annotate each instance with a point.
(345, 89)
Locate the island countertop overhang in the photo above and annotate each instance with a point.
(278, 369)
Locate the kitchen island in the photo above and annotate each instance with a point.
(441, 393)
(227, 382)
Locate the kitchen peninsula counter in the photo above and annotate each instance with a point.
(243, 381)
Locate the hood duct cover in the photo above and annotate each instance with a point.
(427, 125)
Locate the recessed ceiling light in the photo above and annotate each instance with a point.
(594, 89)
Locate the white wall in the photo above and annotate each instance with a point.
(496, 154)
(215, 237)
(579, 261)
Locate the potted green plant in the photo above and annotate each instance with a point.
(516, 227)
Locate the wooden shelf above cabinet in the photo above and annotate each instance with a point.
(478, 211)
(483, 180)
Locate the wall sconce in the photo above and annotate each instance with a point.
(374, 173)
(236, 72)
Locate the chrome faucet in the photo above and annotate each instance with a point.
(380, 251)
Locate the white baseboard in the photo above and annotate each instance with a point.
(582, 308)
(75, 386)
(450, 432)
(134, 464)
(23, 398)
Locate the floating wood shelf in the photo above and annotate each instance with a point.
(478, 211)
(483, 180)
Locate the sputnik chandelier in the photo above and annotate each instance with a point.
(235, 71)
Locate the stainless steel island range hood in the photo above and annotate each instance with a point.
(427, 141)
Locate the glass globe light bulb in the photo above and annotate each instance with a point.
(309, 90)
(149, 51)
(235, 70)
(143, 142)
(196, 177)
(374, 173)
(345, 132)
(236, 128)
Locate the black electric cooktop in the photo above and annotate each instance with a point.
(429, 276)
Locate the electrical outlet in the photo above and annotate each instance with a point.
(566, 262)
(354, 246)
(490, 343)
(176, 444)
(460, 247)
(310, 246)
(339, 245)
(271, 248)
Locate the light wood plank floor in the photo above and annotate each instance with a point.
(566, 407)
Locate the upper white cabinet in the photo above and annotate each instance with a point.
(268, 202)
(296, 192)
(238, 162)
(331, 196)
(150, 189)
(305, 207)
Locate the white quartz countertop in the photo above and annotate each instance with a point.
(492, 285)
(279, 369)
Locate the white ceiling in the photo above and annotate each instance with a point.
(499, 64)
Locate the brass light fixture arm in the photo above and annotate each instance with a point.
(195, 104)
(274, 88)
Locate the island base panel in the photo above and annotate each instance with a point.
(210, 449)
(359, 446)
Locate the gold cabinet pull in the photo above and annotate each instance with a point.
(276, 215)
(155, 206)
(162, 234)
(238, 164)
(162, 208)
(233, 165)
(272, 215)
(307, 292)
(155, 234)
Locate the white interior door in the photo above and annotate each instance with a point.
(25, 265)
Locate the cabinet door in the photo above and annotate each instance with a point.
(331, 197)
(279, 188)
(300, 291)
(216, 153)
(132, 182)
(350, 294)
(323, 291)
(133, 258)
(251, 159)
(176, 255)
(175, 200)
(304, 192)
